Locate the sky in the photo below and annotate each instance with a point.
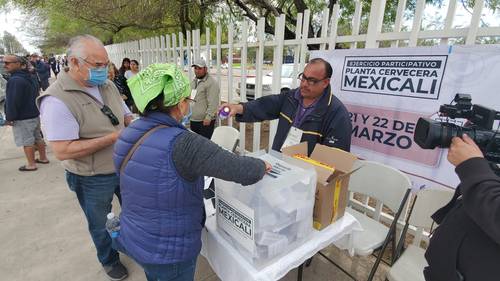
(10, 21)
(462, 16)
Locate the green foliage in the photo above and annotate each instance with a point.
(53, 22)
(110, 20)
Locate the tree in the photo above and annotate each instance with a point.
(113, 21)
(10, 45)
(254, 9)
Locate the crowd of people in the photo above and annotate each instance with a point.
(155, 165)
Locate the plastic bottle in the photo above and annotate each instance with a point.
(113, 225)
(224, 112)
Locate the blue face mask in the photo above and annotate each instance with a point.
(97, 76)
(185, 119)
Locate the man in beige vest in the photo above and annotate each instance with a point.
(82, 115)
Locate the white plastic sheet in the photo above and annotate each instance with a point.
(229, 265)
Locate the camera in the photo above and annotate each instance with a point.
(430, 134)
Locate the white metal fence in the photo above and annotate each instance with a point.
(175, 48)
(182, 50)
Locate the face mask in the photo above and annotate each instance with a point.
(97, 76)
(185, 119)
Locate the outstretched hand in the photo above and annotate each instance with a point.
(268, 167)
(233, 108)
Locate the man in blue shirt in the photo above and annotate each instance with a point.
(21, 112)
(42, 70)
(310, 113)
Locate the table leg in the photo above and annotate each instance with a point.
(299, 275)
(309, 261)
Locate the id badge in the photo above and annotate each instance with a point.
(294, 137)
(193, 94)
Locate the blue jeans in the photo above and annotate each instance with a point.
(95, 194)
(181, 271)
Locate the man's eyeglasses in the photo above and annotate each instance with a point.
(190, 101)
(96, 64)
(112, 117)
(9, 62)
(310, 80)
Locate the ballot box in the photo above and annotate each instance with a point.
(272, 216)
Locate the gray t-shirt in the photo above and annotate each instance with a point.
(196, 156)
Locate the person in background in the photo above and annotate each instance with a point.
(58, 64)
(161, 167)
(114, 75)
(21, 112)
(54, 64)
(310, 113)
(42, 70)
(205, 92)
(134, 69)
(125, 91)
(125, 66)
(82, 115)
(45, 60)
(64, 61)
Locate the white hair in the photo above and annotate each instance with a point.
(77, 47)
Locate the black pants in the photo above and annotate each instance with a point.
(200, 129)
(54, 69)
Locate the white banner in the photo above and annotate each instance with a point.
(386, 90)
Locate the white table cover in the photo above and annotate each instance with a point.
(229, 265)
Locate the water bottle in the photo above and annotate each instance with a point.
(224, 112)
(2, 120)
(113, 225)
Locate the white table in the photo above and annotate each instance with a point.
(229, 265)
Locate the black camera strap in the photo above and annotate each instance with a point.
(440, 214)
(103, 107)
(101, 104)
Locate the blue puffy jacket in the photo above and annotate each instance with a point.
(162, 213)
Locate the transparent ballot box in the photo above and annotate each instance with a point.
(272, 216)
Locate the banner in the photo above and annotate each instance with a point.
(386, 90)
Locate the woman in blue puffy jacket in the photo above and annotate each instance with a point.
(161, 166)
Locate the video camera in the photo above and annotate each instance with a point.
(430, 134)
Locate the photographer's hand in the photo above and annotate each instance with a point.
(462, 149)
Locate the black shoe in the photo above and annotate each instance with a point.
(116, 272)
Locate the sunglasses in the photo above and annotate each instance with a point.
(112, 117)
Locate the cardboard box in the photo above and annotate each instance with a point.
(331, 188)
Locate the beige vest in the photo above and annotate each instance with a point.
(93, 123)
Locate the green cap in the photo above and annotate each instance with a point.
(156, 79)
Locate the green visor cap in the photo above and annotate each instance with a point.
(156, 79)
